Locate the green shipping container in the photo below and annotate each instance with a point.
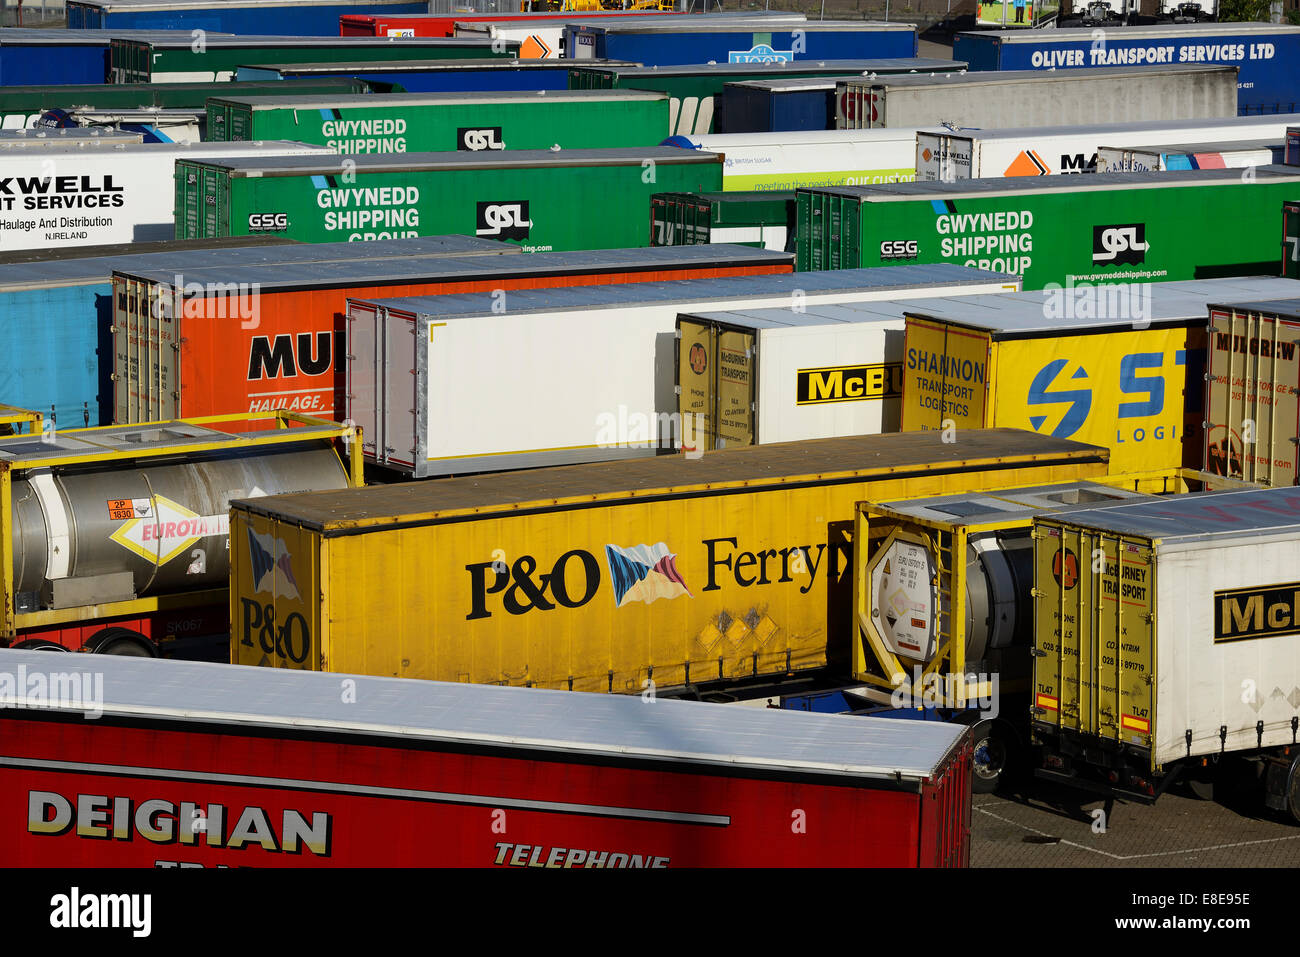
(1066, 230)
(422, 123)
(22, 106)
(539, 199)
(763, 219)
(216, 58)
(693, 88)
(1291, 240)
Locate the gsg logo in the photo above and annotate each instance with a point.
(503, 220)
(268, 222)
(1080, 399)
(1120, 244)
(479, 138)
(899, 249)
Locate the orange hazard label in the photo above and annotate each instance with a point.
(1134, 723)
(1047, 701)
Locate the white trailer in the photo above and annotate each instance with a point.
(1204, 155)
(786, 161)
(103, 193)
(454, 384)
(944, 155)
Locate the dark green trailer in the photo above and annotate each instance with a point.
(1291, 240)
(763, 219)
(539, 199)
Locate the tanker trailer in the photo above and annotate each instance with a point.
(115, 540)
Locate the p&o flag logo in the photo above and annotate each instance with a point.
(644, 573)
(269, 556)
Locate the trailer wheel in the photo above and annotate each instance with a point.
(121, 641)
(1292, 794)
(995, 758)
(39, 644)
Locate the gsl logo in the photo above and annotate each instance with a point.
(503, 220)
(1040, 393)
(268, 222)
(479, 138)
(1125, 245)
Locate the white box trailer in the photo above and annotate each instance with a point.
(1200, 155)
(1176, 644)
(944, 155)
(786, 161)
(454, 384)
(1015, 98)
(155, 124)
(104, 193)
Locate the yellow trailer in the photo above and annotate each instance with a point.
(671, 570)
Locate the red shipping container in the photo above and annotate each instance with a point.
(444, 25)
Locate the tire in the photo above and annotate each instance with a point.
(123, 642)
(1291, 796)
(996, 758)
(38, 644)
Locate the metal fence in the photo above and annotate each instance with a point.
(31, 13)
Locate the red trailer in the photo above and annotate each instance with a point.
(444, 24)
(137, 762)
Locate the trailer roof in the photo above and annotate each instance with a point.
(39, 36)
(280, 277)
(1229, 146)
(1286, 308)
(140, 6)
(329, 164)
(1175, 31)
(1003, 77)
(266, 149)
(183, 39)
(797, 84)
(883, 134)
(574, 298)
(826, 461)
(1198, 517)
(1118, 129)
(377, 101)
(636, 71)
(417, 66)
(740, 25)
(622, 727)
(1016, 504)
(1028, 185)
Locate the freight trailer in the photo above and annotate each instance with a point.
(217, 58)
(444, 25)
(445, 122)
(1292, 157)
(257, 338)
(1291, 240)
(1265, 54)
(1120, 366)
(695, 89)
(35, 56)
(104, 193)
(1025, 98)
(116, 540)
(1164, 643)
(786, 161)
(24, 106)
(685, 40)
(422, 76)
(309, 780)
(756, 376)
(1175, 156)
(540, 35)
(944, 155)
(152, 124)
(60, 312)
(410, 364)
(759, 218)
(530, 197)
(1124, 227)
(314, 18)
(672, 571)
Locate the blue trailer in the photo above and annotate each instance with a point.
(1265, 54)
(314, 18)
(39, 57)
(672, 44)
(432, 76)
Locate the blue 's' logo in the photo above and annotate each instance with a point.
(1080, 399)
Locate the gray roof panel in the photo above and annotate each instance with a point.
(1202, 516)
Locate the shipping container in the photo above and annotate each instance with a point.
(413, 123)
(444, 25)
(60, 311)
(422, 76)
(540, 35)
(524, 196)
(1291, 240)
(1031, 98)
(41, 138)
(411, 362)
(1169, 650)
(1124, 227)
(310, 781)
(151, 124)
(286, 349)
(762, 218)
(23, 106)
(684, 40)
(217, 59)
(1120, 366)
(105, 192)
(786, 161)
(1263, 52)
(1292, 157)
(1234, 155)
(695, 88)
(309, 18)
(674, 571)
(944, 155)
(116, 540)
(33, 55)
